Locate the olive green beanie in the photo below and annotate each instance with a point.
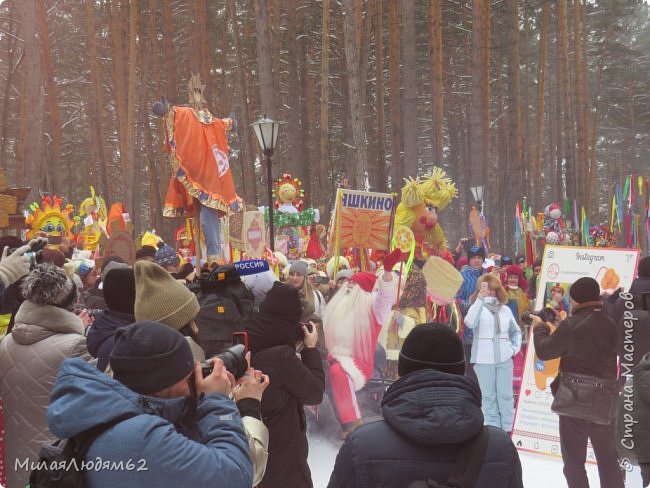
(159, 297)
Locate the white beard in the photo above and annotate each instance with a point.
(347, 323)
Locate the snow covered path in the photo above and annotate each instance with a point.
(538, 471)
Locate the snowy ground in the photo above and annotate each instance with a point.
(538, 471)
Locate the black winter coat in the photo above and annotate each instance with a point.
(615, 305)
(633, 322)
(223, 309)
(293, 384)
(633, 424)
(586, 342)
(427, 415)
(642, 407)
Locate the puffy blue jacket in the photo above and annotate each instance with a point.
(149, 443)
(427, 415)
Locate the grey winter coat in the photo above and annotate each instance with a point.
(30, 357)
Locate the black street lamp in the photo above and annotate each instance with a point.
(266, 131)
(477, 193)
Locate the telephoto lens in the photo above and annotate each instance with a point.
(234, 360)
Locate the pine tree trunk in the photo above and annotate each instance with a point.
(564, 85)
(170, 68)
(323, 133)
(435, 56)
(12, 65)
(514, 189)
(264, 56)
(357, 167)
(97, 109)
(30, 156)
(54, 147)
(409, 92)
(297, 160)
(582, 106)
(246, 157)
(540, 108)
(131, 187)
(396, 164)
(154, 183)
(479, 111)
(378, 177)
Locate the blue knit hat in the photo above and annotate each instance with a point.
(166, 255)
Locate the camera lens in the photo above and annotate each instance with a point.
(234, 360)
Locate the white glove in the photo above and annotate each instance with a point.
(14, 266)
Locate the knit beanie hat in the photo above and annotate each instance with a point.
(585, 289)
(53, 256)
(434, 346)
(644, 267)
(166, 256)
(365, 280)
(148, 357)
(106, 267)
(282, 301)
(119, 290)
(48, 284)
(161, 298)
(512, 269)
(299, 267)
(475, 251)
(344, 274)
(145, 252)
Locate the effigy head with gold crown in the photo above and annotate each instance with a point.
(52, 218)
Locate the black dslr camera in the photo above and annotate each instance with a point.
(234, 360)
(547, 314)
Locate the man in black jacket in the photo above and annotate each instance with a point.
(226, 303)
(429, 415)
(586, 344)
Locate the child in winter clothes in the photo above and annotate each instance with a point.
(497, 338)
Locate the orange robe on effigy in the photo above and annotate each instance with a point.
(199, 155)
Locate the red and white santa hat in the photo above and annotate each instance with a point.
(365, 280)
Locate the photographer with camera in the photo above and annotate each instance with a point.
(161, 298)
(274, 335)
(585, 342)
(174, 426)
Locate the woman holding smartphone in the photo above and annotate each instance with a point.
(497, 338)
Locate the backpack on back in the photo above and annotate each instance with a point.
(61, 463)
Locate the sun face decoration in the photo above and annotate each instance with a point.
(288, 192)
(51, 219)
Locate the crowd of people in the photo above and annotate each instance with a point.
(148, 353)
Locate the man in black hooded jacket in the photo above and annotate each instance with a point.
(428, 415)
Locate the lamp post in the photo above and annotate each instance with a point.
(477, 193)
(266, 131)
